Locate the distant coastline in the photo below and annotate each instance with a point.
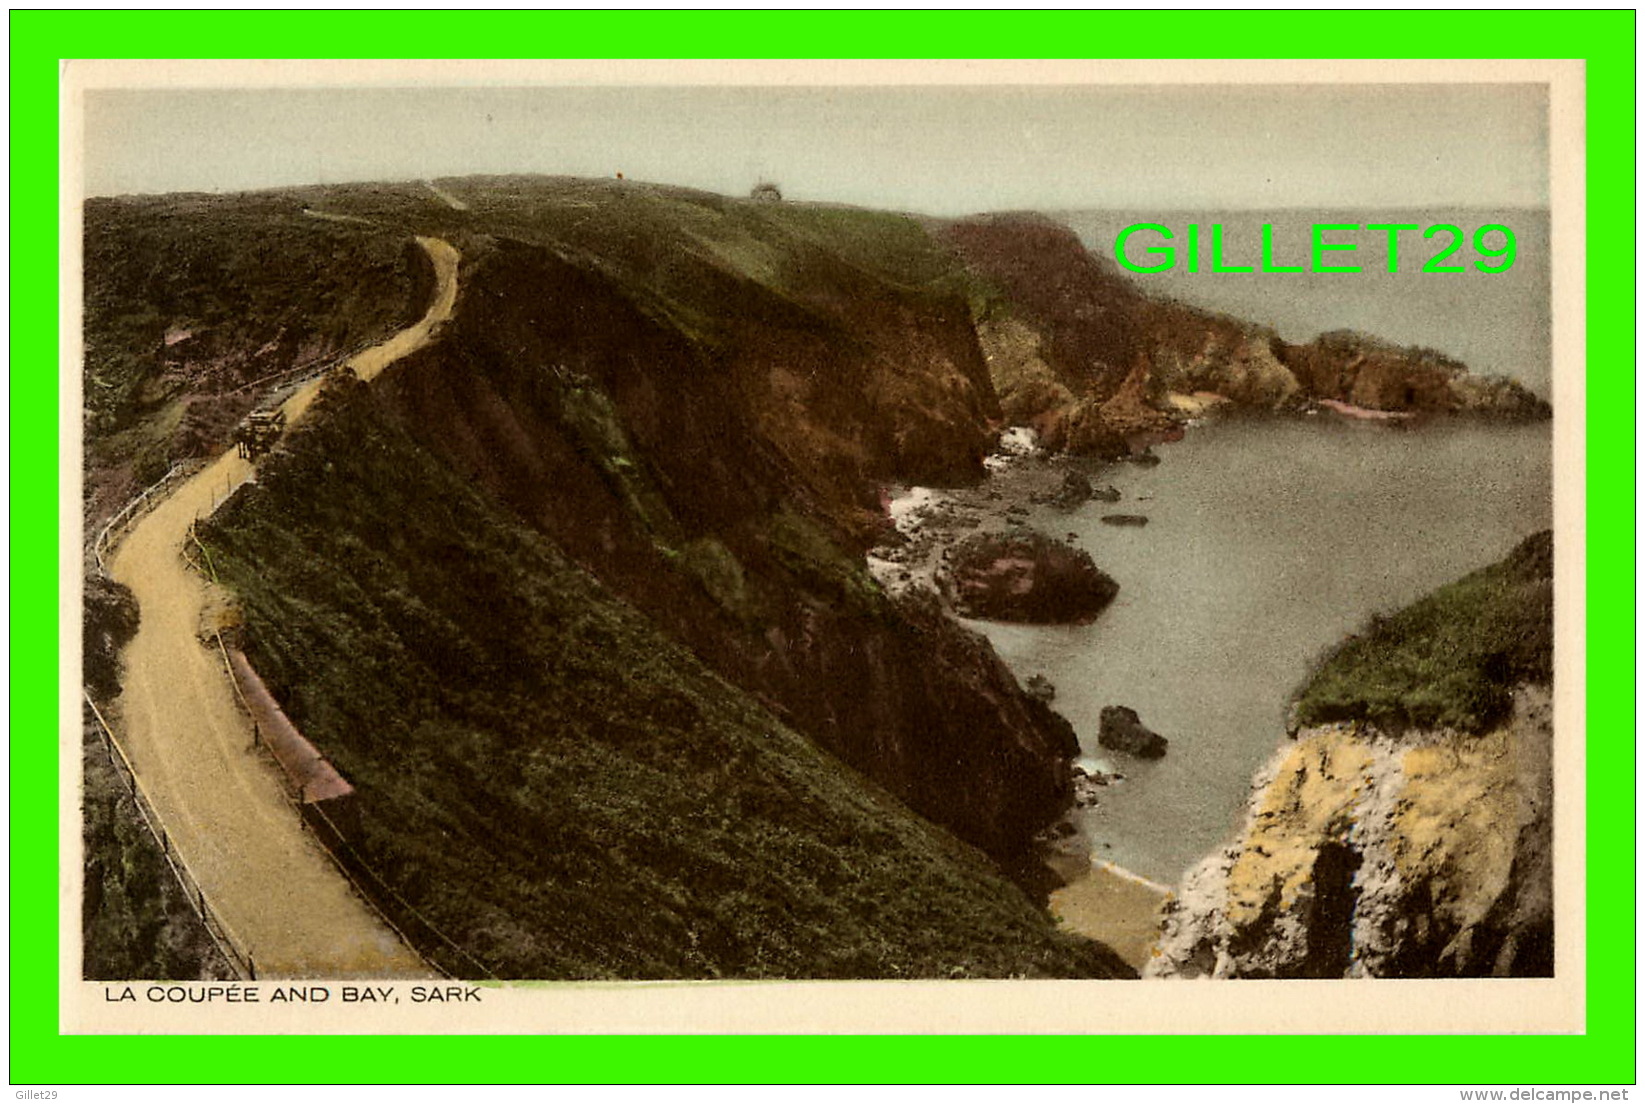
(1495, 323)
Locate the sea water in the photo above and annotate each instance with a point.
(1498, 323)
(1267, 541)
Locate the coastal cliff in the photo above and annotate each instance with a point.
(1413, 837)
(727, 489)
(593, 565)
(1080, 353)
(576, 598)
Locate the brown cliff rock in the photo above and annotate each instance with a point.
(1024, 576)
(1080, 353)
(728, 492)
(1367, 372)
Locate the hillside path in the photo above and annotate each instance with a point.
(222, 801)
(446, 197)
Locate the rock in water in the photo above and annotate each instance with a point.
(1024, 576)
(1086, 788)
(1106, 494)
(1040, 687)
(1123, 730)
(1075, 490)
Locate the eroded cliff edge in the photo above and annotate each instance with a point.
(1413, 838)
(1099, 367)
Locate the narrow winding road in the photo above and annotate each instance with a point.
(222, 802)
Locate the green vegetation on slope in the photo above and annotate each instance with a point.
(558, 787)
(188, 297)
(1453, 658)
(688, 252)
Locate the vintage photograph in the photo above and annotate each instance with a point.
(633, 531)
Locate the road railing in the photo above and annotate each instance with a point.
(120, 524)
(234, 951)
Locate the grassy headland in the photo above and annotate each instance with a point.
(1450, 660)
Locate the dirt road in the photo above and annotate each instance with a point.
(222, 802)
(446, 197)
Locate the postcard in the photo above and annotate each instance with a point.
(917, 547)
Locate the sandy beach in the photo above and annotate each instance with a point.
(1114, 906)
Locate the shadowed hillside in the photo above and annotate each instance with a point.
(559, 787)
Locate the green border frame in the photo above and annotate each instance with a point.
(1605, 39)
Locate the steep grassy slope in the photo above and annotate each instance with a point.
(559, 787)
(700, 407)
(190, 297)
(725, 512)
(847, 333)
(1450, 660)
(134, 921)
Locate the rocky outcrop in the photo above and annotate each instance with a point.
(1074, 490)
(1240, 367)
(1084, 314)
(1063, 345)
(1364, 371)
(1099, 368)
(1030, 392)
(1122, 730)
(109, 618)
(1407, 831)
(1024, 576)
(1364, 855)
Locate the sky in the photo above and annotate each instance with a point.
(940, 150)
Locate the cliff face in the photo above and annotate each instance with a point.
(1080, 353)
(1408, 833)
(1065, 335)
(547, 776)
(1087, 314)
(1359, 369)
(1429, 855)
(727, 488)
